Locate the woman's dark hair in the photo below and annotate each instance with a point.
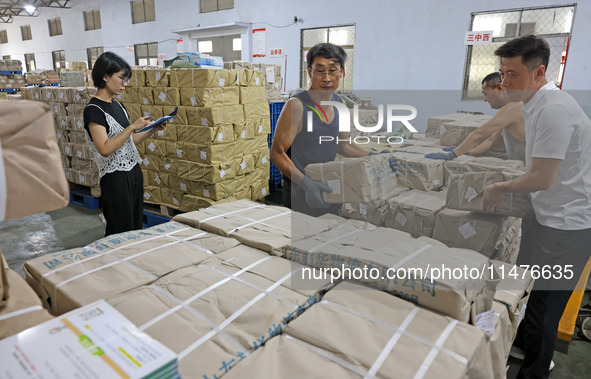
(106, 65)
(327, 50)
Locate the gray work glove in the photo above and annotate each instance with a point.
(449, 148)
(381, 152)
(394, 165)
(448, 156)
(314, 191)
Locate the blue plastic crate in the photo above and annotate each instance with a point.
(83, 198)
(275, 107)
(11, 72)
(10, 90)
(152, 219)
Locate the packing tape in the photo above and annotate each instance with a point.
(20, 312)
(430, 358)
(3, 187)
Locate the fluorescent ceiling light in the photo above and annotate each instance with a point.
(30, 8)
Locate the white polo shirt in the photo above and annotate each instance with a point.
(556, 127)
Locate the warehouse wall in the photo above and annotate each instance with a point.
(402, 44)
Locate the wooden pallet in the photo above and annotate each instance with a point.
(94, 191)
(161, 209)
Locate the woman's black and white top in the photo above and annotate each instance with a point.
(114, 118)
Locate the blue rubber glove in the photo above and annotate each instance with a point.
(394, 165)
(448, 156)
(386, 151)
(314, 191)
(449, 148)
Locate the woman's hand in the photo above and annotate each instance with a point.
(140, 123)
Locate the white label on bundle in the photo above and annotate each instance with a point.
(220, 137)
(486, 321)
(82, 179)
(175, 201)
(467, 230)
(79, 154)
(243, 165)
(471, 194)
(206, 193)
(79, 124)
(158, 76)
(63, 123)
(157, 180)
(147, 195)
(257, 81)
(146, 114)
(519, 233)
(363, 208)
(264, 191)
(243, 134)
(120, 96)
(56, 109)
(61, 95)
(335, 185)
(183, 187)
(401, 219)
(270, 73)
(203, 155)
(162, 96)
(67, 149)
(152, 147)
(237, 80)
(193, 101)
(179, 153)
(521, 314)
(59, 135)
(161, 133)
(264, 160)
(146, 101)
(222, 82)
(166, 165)
(146, 162)
(36, 96)
(203, 121)
(442, 129)
(436, 182)
(260, 128)
(222, 173)
(78, 97)
(276, 84)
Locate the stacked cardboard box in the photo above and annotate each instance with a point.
(437, 125)
(467, 163)
(68, 104)
(11, 65)
(416, 171)
(215, 148)
(12, 81)
(372, 211)
(271, 76)
(356, 332)
(20, 307)
(414, 212)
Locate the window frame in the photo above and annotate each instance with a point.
(26, 32)
(96, 19)
(62, 57)
(98, 50)
(56, 30)
(3, 36)
(147, 56)
(145, 16)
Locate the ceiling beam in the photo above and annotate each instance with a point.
(5, 19)
(36, 3)
(14, 11)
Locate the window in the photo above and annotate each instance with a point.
(216, 5)
(26, 32)
(93, 54)
(554, 24)
(3, 36)
(343, 36)
(55, 26)
(92, 19)
(59, 59)
(237, 44)
(30, 62)
(205, 46)
(146, 54)
(142, 11)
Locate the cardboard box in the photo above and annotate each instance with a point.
(227, 319)
(463, 193)
(115, 264)
(75, 109)
(416, 171)
(166, 96)
(138, 78)
(198, 78)
(31, 161)
(150, 162)
(465, 163)
(157, 77)
(209, 173)
(206, 135)
(154, 111)
(469, 230)
(73, 78)
(252, 95)
(155, 147)
(414, 212)
(209, 97)
(355, 180)
(381, 250)
(374, 335)
(212, 116)
(259, 189)
(146, 96)
(130, 95)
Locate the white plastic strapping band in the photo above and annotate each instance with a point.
(3, 187)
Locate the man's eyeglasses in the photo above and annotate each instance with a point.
(331, 73)
(123, 79)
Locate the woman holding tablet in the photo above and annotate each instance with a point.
(112, 138)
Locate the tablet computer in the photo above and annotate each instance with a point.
(159, 121)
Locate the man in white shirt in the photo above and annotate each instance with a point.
(558, 161)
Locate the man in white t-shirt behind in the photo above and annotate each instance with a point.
(558, 161)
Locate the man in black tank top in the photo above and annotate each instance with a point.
(296, 144)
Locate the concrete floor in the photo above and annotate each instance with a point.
(74, 226)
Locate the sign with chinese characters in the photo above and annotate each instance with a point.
(278, 52)
(478, 38)
(258, 43)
